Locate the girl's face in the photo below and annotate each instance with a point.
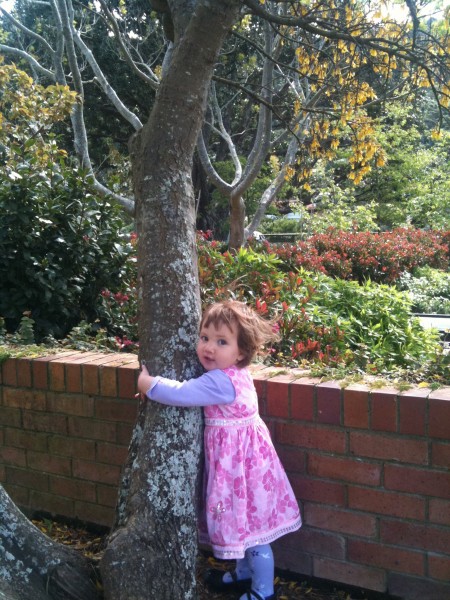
(217, 348)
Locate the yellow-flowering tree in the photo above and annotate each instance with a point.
(28, 113)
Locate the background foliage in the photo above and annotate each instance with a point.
(67, 257)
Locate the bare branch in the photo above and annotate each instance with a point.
(104, 84)
(126, 203)
(112, 22)
(29, 32)
(30, 59)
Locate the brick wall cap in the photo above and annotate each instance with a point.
(357, 387)
(440, 394)
(385, 390)
(335, 385)
(306, 381)
(416, 392)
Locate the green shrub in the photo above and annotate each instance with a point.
(429, 290)
(321, 319)
(60, 244)
(377, 324)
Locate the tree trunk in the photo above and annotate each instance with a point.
(237, 220)
(33, 567)
(153, 548)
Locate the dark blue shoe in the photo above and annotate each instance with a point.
(251, 595)
(214, 580)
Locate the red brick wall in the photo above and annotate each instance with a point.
(370, 468)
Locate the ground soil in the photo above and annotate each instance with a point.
(288, 587)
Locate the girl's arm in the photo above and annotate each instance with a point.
(214, 387)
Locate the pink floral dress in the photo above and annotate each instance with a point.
(248, 498)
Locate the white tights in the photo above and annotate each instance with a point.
(258, 565)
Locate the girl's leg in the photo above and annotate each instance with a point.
(242, 571)
(260, 561)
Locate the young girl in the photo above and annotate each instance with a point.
(248, 499)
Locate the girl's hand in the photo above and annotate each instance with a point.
(144, 381)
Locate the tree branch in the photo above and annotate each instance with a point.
(112, 22)
(30, 59)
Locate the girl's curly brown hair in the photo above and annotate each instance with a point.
(253, 331)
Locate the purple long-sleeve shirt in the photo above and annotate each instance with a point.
(213, 387)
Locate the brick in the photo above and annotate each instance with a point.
(302, 399)
(93, 471)
(417, 481)
(440, 455)
(81, 374)
(72, 447)
(413, 414)
(356, 406)
(328, 401)
(439, 416)
(292, 560)
(277, 402)
(384, 410)
(24, 372)
(108, 381)
(49, 503)
(310, 436)
(73, 378)
(26, 439)
(45, 422)
(346, 470)
(46, 463)
(111, 453)
(79, 358)
(415, 588)
(350, 574)
(95, 514)
(439, 511)
(385, 447)
(26, 399)
(321, 543)
(40, 373)
(115, 410)
(386, 503)
(107, 495)
(29, 479)
(9, 372)
(91, 429)
(383, 556)
(260, 387)
(439, 567)
(11, 417)
(70, 404)
(341, 521)
(415, 535)
(312, 490)
(19, 495)
(73, 488)
(90, 376)
(127, 375)
(292, 459)
(124, 433)
(57, 376)
(13, 456)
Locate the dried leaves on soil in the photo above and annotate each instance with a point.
(92, 545)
